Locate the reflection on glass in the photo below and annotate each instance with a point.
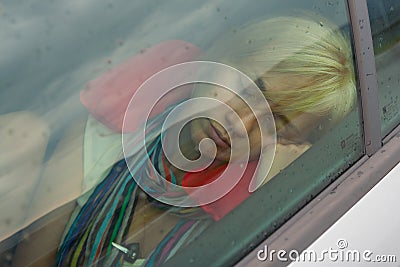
(302, 66)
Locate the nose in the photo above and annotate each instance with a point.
(247, 118)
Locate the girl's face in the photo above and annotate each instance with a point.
(201, 128)
(295, 127)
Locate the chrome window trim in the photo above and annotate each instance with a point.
(366, 70)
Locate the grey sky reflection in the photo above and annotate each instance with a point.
(51, 49)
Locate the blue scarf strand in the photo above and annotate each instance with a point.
(106, 215)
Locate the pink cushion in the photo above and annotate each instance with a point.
(107, 97)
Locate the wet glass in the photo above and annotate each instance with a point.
(69, 71)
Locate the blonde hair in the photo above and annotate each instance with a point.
(315, 51)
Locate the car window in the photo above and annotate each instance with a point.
(76, 172)
(384, 18)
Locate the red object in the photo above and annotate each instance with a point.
(232, 199)
(108, 96)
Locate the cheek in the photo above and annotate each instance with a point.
(196, 130)
(255, 143)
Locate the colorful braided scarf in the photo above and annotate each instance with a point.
(108, 212)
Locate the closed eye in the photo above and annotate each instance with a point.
(260, 83)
